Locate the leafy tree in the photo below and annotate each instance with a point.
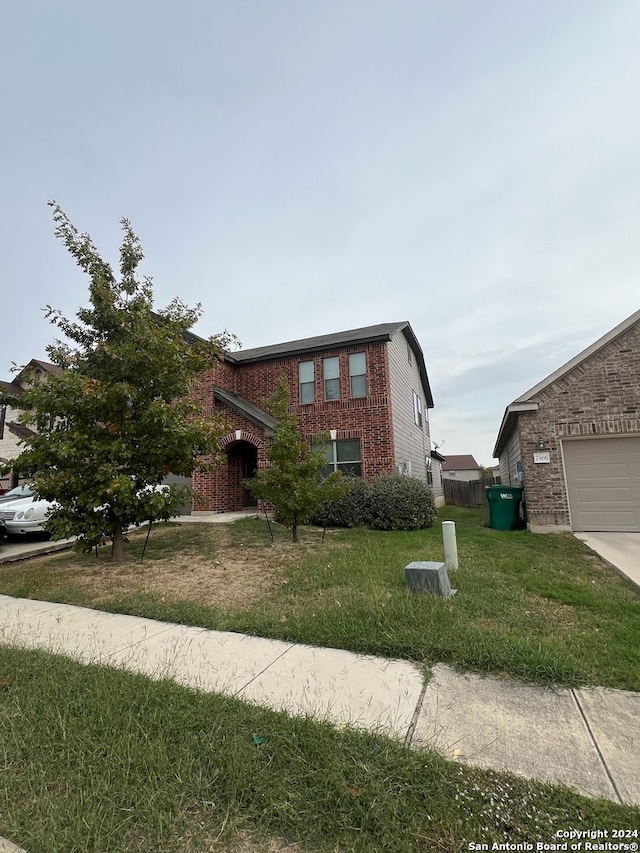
(119, 417)
(293, 481)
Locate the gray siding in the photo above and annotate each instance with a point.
(10, 445)
(411, 443)
(465, 475)
(509, 459)
(437, 487)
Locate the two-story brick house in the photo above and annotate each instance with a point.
(367, 388)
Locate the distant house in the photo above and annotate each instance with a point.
(573, 440)
(462, 467)
(367, 388)
(11, 431)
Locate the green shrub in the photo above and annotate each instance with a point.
(388, 502)
(395, 502)
(346, 511)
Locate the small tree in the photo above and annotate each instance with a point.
(293, 482)
(119, 417)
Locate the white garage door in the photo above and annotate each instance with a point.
(603, 483)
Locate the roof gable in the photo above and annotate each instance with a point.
(528, 402)
(568, 366)
(42, 366)
(254, 413)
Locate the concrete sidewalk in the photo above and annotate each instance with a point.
(588, 739)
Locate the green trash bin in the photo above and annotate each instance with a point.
(504, 506)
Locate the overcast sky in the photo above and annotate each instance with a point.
(302, 167)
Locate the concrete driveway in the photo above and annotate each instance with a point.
(620, 550)
(21, 549)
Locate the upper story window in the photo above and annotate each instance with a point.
(331, 378)
(417, 410)
(307, 383)
(358, 374)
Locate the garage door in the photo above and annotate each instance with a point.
(603, 483)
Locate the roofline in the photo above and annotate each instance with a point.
(321, 343)
(422, 368)
(582, 356)
(313, 344)
(250, 411)
(451, 459)
(527, 403)
(509, 421)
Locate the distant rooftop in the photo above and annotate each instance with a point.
(465, 462)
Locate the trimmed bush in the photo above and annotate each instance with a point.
(399, 503)
(346, 511)
(388, 502)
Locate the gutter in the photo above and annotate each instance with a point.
(510, 420)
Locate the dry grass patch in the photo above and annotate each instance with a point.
(216, 570)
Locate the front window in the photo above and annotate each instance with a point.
(331, 379)
(358, 374)
(306, 379)
(343, 455)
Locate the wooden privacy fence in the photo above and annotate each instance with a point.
(463, 493)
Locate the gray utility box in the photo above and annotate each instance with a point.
(428, 577)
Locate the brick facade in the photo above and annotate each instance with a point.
(367, 418)
(599, 396)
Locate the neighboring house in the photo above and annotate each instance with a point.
(573, 440)
(462, 467)
(11, 431)
(434, 478)
(367, 388)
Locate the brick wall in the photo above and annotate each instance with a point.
(599, 397)
(366, 418)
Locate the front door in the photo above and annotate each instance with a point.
(249, 459)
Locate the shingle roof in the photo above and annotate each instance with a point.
(460, 463)
(307, 346)
(366, 334)
(15, 388)
(54, 369)
(19, 430)
(11, 388)
(244, 407)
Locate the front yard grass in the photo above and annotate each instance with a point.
(97, 760)
(539, 608)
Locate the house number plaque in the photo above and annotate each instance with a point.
(542, 456)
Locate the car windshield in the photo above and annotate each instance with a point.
(18, 492)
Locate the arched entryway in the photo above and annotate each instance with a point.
(243, 464)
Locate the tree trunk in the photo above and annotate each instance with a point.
(294, 530)
(117, 550)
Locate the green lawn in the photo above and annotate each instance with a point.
(102, 761)
(541, 608)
